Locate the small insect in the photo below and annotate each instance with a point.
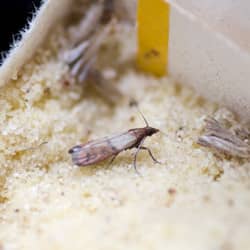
(225, 141)
(98, 150)
(87, 39)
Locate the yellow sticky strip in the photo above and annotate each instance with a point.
(153, 35)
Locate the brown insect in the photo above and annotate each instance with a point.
(87, 39)
(225, 141)
(98, 150)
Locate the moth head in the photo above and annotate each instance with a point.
(151, 131)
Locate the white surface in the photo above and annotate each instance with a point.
(228, 17)
(200, 56)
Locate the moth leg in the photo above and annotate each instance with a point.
(151, 155)
(135, 156)
(111, 161)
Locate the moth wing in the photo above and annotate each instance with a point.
(117, 142)
(90, 153)
(98, 150)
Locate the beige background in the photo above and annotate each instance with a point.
(209, 50)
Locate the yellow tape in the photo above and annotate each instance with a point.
(153, 35)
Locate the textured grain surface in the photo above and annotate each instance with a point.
(194, 200)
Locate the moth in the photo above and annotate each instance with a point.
(99, 150)
(225, 141)
(86, 40)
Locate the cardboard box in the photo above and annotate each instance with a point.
(209, 47)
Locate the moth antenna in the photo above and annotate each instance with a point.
(134, 103)
(143, 117)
